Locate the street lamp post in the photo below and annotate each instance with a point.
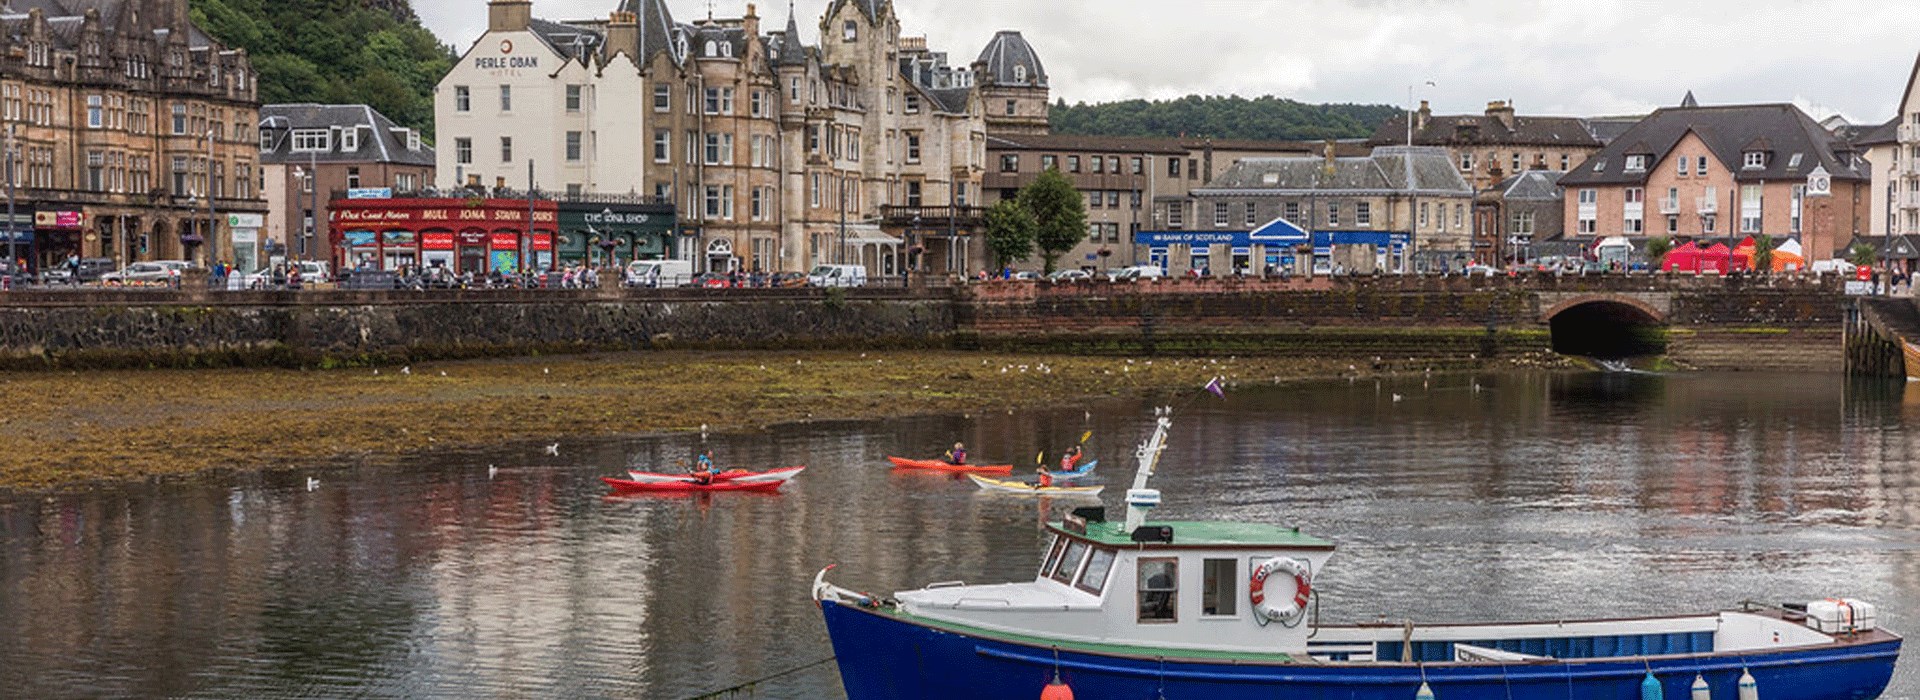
(13, 244)
(213, 223)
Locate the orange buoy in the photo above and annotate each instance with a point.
(1057, 690)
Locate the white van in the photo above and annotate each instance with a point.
(837, 276)
(658, 273)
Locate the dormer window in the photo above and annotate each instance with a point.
(1019, 74)
(1636, 164)
(1600, 165)
(713, 49)
(726, 50)
(1754, 160)
(849, 31)
(350, 140)
(310, 140)
(1794, 162)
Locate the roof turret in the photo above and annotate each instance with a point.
(1011, 61)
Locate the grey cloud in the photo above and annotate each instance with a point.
(1552, 56)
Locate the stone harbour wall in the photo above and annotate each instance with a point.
(161, 329)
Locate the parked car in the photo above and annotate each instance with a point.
(1027, 275)
(90, 271)
(1069, 276)
(1478, 269)
(315, 271)
(838, 276)
(787, 279)
(712, 280)
(1593, 267)
(145, 272)
(1141, 272)
(657, 273)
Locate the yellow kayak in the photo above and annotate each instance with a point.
(1007, 486)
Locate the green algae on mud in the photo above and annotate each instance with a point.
(71, 428)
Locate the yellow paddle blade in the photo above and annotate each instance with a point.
(1084, 436)
(1040, 458)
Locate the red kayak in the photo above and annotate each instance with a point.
(625, 486)
(943, 466)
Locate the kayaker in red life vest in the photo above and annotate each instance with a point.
(1071, 459)
(1046, 479)
(958, 455)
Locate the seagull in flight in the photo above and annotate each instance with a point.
(553, 449)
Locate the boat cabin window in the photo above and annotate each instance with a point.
(1218, 585)
(1159, 590)
(1094, 579)
(1069, 563)
(1054, 546)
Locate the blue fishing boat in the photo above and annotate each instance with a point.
(1223, 611)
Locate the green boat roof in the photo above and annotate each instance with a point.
(1109, 649)
(1208, 534)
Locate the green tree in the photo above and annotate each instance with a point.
(1862, 255)
(1763, 247)
(1059, 215)
(1657, 249)
(1010, 233)
(372, 52)
(1231, 117)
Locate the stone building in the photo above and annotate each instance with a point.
(1487, 148)
(1767, 169)
(779, 154)
(1130, 184)
(1398, 209)
(1013, 84)
(123, 123)
(1517, 214)
(313, 153)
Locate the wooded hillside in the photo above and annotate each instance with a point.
(1262, 118)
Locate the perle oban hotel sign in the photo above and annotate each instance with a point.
(505, 61)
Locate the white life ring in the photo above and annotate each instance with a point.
(1302, 588)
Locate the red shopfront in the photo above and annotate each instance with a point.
(463, 235)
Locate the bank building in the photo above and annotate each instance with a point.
(777, 148)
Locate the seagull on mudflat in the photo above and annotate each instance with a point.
(1396, 398)
(546, 370)
(407, 370)
(553, 449)
(492, 470)
(312, 483)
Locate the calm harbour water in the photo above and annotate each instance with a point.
(1536, 496)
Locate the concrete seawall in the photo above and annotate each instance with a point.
(1709, 323)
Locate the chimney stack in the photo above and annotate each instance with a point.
(507, 15)
(751, 24)
(1501, 112)
(623, 34)
(1328, 150)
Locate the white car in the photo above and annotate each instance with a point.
(1478, 269)
(1141, 272)
(1069, 276)
(155, 271)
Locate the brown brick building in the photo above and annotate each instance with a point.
(122, 120)
(313, 153)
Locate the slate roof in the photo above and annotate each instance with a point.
(1541, 185)
(1878, 135)
(1397, 169)
(571, 42)
(1607, 129)
(655, 29)
(1069, 142)
(1728, 131)
(787, 48)
(1007, 50)
(379, 142)
(870, 7)
(1480, 129)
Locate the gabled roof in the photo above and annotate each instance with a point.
(871, 8)
(1879, 135)
(1729, 132)
(380, 141)
(787, 48)
(1008, 51)
(1480, 129)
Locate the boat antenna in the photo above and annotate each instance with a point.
(1141, 499)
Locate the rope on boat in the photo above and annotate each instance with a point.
(749, 686)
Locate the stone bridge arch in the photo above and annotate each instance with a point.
(1607, 325)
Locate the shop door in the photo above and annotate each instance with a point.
(473, 259)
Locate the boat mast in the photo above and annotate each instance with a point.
(1141, 499)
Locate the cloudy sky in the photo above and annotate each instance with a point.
(1577, 57)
